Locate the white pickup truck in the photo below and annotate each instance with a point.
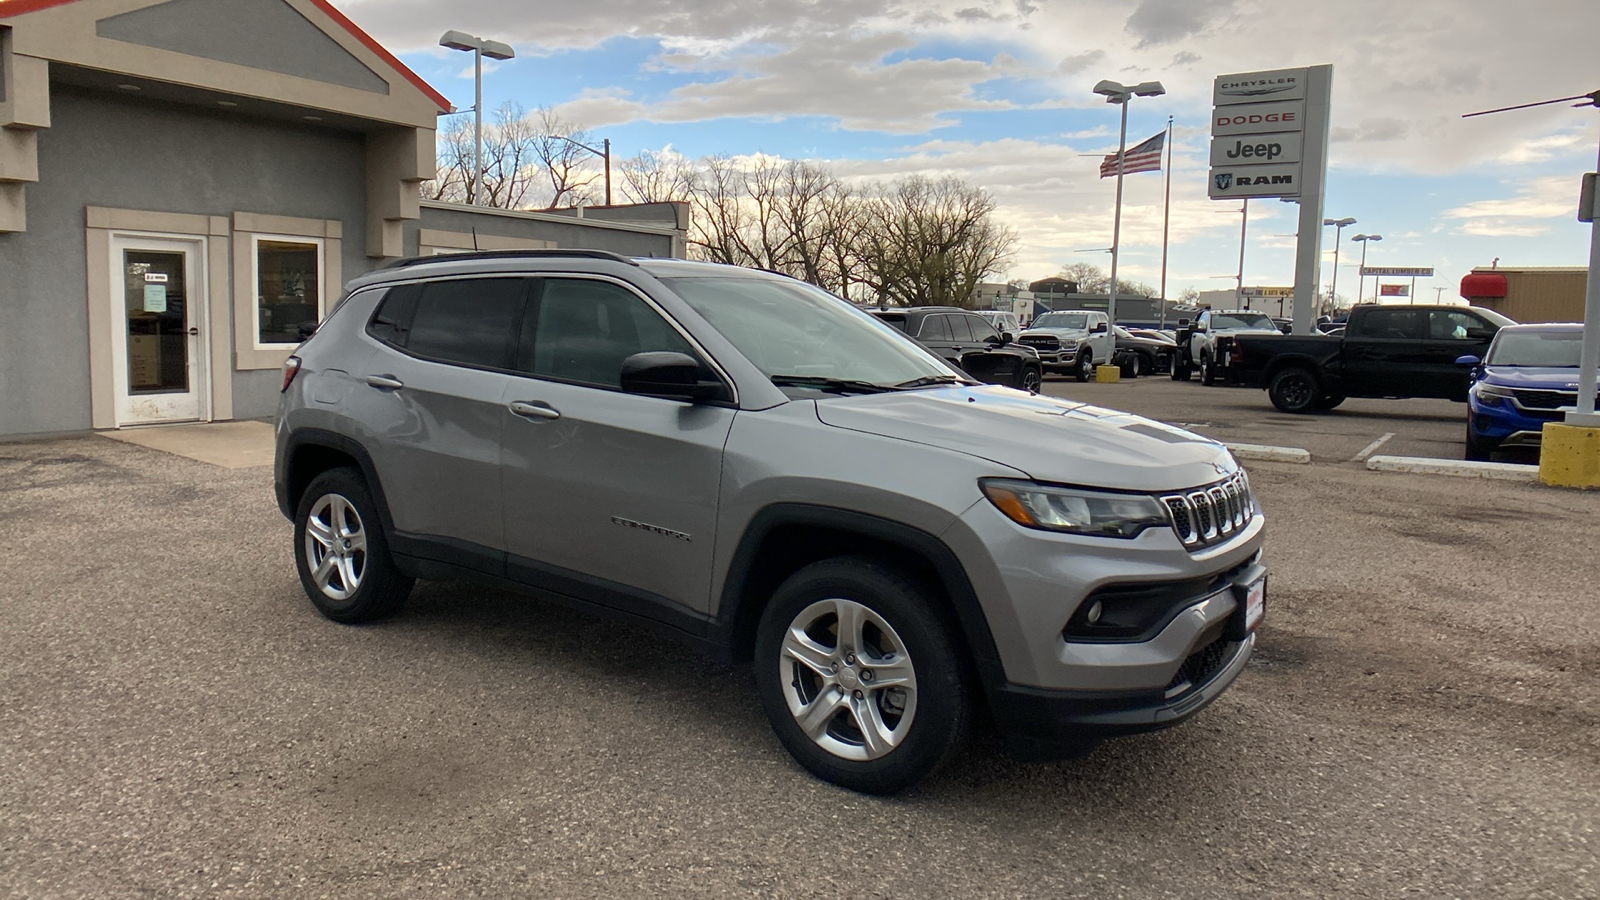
(1197, 345)
(1072, 341)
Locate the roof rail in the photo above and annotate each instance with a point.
(511, 254)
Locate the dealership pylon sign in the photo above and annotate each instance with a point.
(1269, 138)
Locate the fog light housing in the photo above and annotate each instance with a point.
(1094, 612)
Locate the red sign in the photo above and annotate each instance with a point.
(1394, 290)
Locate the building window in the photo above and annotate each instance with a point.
(289, 283)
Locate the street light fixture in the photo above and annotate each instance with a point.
(1360, 292)
(1120, 94)
(480, 47)
(1338, 231)
(603, 154)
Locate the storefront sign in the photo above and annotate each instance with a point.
(1256, 149)
(1255, 181)
(1256, 87)
(1398, 271)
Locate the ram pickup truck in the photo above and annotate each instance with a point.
(1204, 344)
(1385, 351)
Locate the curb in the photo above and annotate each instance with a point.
(1269, 454)
(1422, 465)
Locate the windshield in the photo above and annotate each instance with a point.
(1556, 349)
(1078, 321)
(1241, 320)
(790, 329)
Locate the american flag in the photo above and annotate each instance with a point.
(1144, 158)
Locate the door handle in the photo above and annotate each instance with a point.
(384, 381)
(195, 331)
(533, 409)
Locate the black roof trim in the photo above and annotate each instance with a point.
(511, 254)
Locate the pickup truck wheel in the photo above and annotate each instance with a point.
(1083, 369)
(1032, 378)
(1135, 365)
(859, 676)
(1181, 371)
(1208, 372)
(1294, 390)
(341, 553)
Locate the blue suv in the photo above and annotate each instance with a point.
(1529, 377)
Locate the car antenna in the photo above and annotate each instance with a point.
(475, 238)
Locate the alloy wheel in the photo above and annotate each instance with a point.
(848, 680)
(336, 546)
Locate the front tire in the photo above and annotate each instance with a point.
(860, 678)
(341, 553)
(1083, 369)
(1294, 390)
(1032, 379)
(1478, 450)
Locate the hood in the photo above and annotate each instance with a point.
(1251, 330)
(1057, 332)
(1539, 378)
(1051, 440)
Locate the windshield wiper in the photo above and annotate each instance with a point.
(927, 380)
(837, 385)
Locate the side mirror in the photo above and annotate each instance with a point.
(1007, 337)
(669, 375)
(1468, 360)
(1099, 328)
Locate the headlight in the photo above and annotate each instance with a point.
(1489, 393)
(1074, 511)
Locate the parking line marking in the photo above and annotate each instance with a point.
(1268, 454)
(1371, 448)
(1467, 468)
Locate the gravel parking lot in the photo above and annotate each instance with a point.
(1429, 428)
(1422, 717)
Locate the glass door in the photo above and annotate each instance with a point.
(158, 311)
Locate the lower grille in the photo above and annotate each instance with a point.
(1202, 664)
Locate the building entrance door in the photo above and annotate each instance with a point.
(158, 308)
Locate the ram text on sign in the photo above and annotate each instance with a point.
(1258, 118)
(1255, 181)
(1256, 149)
(1398, 271)
(1255, 87)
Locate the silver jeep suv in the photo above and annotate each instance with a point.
(750, 464)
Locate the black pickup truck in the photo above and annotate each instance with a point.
(1385, 351)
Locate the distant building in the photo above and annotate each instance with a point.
(1529, 293)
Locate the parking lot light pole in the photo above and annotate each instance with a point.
(1361, 283)
(1338, 231)
(1121, 94)
(480, 47)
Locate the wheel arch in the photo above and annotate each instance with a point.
(310, 452)
(785, 537)
(1297, 361)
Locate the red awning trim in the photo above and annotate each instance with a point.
(1483, 285)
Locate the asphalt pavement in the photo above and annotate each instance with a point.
(1422, 719)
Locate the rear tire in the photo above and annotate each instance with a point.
(341, 552)
(1181, 370)
(1208, 371)
(892, 632)
(1294, 390)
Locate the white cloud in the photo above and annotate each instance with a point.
(1546, 198)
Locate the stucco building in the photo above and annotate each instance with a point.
(185, 183)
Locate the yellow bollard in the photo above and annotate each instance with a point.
(1107, 374)
(1569, 456)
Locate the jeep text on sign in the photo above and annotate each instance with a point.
(1258, 87)
(1255, 181)
(1258, 118)
(1256, 149)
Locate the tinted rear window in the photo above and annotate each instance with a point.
(473, 321)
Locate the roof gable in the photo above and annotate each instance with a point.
(298, 38)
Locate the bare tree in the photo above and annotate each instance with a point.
(570, 168)
(930, 242)
(657, 176)
(511, 170)
(1091, 279)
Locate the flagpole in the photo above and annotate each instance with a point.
(1116, 226)
(1166, 218)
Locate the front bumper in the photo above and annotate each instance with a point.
(1041, 725)
(1503, 425)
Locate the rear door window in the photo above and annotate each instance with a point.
(959, 329)
(1389, 323)
(465, 321)
(935, 328)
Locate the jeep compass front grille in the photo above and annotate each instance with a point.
(1211, 514)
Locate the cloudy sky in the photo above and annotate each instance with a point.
(998, 92)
